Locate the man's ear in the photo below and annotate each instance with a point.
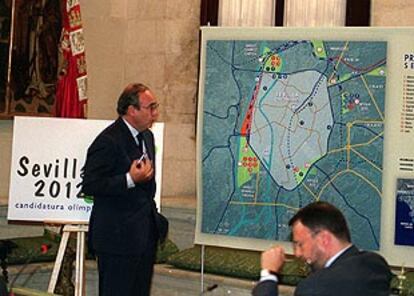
(131, 110)
(325, 238)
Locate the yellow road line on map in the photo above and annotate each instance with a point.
(339, 59)
(337, 150)
(348, 147)
(372, 97)
(368, 181)
(352, 172)
(367, 160)
(342, 54)
(330, 181)
(311, 192)
(367, 121)
(372, 139)
(369, 142)
(267, 204)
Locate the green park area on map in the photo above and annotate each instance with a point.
(286, 123)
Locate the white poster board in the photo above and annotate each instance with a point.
(232, 211)
(47, 157)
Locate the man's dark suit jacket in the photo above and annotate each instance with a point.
(354, 273)
(122, 220)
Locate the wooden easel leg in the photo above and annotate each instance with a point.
(80, 260)
(58, 262)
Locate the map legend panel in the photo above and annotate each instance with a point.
(406, 164)
(407, 114)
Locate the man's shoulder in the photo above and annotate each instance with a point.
(111, 134)
(364, 257)
(360, 264)
(355, 272)
(113, 130)
(117, 124)
(354, 262)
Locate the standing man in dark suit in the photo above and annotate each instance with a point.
(3, 287)
(321, 238)
(119, 174)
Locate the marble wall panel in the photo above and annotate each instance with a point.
(181, 76)
(182, 70)
(184, 10)
(179, 178)
(118, 8)
(6, 133)
(155, 42)
(179, 172)
(183, 35)
(104, 43)
(185, 104)
(392, 13)
(146, 36)
(145, 68)
(147, 9)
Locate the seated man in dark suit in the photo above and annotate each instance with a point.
(321, 238)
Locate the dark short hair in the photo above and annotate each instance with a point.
(130, 97)
(321, 215)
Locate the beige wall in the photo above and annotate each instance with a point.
(6, 130)
(154, 42)
(392, 13)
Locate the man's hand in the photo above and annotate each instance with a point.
(141, 170)
(273, 259)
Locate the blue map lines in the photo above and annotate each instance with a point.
(286, 123)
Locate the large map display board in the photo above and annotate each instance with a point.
(288, 117)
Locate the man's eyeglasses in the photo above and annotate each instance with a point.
(152, 106)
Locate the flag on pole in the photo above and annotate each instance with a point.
(71, 97)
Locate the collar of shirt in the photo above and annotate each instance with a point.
(334, 257)
(133, 131)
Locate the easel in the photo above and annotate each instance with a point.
(202, 270)
(80, 230)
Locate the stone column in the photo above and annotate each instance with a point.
(314, 13)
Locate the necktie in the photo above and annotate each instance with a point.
(140, 140)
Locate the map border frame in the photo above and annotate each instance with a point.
(396, 144)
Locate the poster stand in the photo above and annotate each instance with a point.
(57, 179)
(80, 230)
(202, 270)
